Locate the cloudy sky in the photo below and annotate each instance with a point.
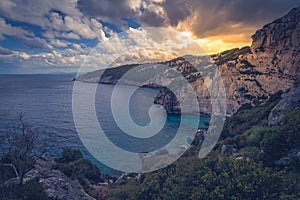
(44, 36)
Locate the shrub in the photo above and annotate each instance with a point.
(70, 155)
(74, 165)
(31, 190)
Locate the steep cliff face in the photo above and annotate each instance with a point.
(282, 34)
(276, 47)
(251, 75)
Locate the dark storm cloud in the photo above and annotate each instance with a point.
(114, 9)
(257, 10)
(176, 10)
(151, 18)
(207, 18)
(202, 17)
(216, 16)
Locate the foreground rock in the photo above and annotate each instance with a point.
(55, 183)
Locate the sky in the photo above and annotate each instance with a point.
(54, 36)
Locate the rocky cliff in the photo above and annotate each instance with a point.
(251, 75)
(289, 101)
(55, 183)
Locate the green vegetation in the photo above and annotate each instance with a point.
(249, 128)
(75, 166)
(279, 140)
(222, 176)
(32, 190)
(229, 55)
(20, 147)
(251, 72)
(23, 145)
(248, 116)
(6, 172)
(209, 178)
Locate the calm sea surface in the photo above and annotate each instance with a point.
(46, 101)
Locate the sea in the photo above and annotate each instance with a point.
(46, 103)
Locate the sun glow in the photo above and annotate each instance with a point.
(216, 44)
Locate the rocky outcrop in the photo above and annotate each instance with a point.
(55, 183)
(282, 34)
(290, 100)
(292, 157)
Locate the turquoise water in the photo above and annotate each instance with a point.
(46, 101)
